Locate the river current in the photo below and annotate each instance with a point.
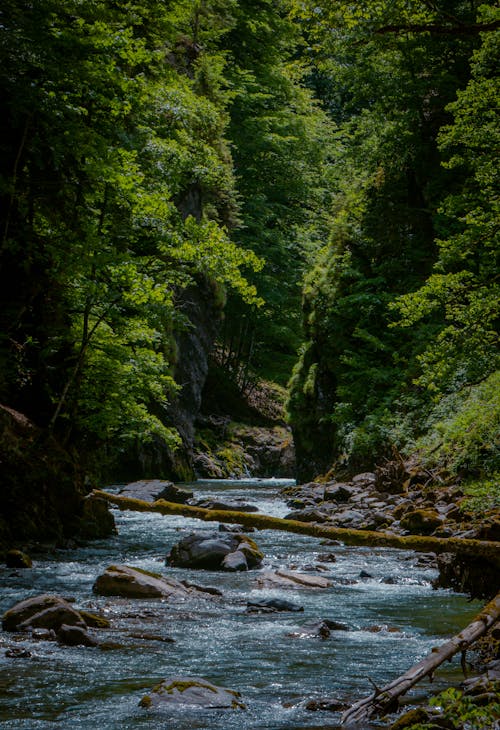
(394, 618)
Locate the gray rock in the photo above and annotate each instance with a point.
(194, 692)
(307, 515)
(272, 605)
(122, 580)
(235, 561)
(22, 613)
(207, 550)
(290, 579)
(339, 493)
(224, 506)
(52, 618)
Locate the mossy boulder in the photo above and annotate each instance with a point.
(44, 611)
(208, 550)
(194, 692)
(122, 580)
(422, 521)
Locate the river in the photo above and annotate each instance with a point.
(391, 626)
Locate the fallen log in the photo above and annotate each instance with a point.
(384, 698)
(487, 549)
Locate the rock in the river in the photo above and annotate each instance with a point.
(172, 493)
(75, 636)
(224, 506)
(44, 611)
(150, 490)
(326, 705)
(235, 562)
(310, 514)
(122, 580)
(192, 691)
(207, 550)
(271, 605)
(290, 579)
(17, 559)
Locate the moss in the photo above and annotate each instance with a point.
(146, 701)
(183, 686)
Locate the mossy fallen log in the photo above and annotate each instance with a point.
(489, 550)
(384, 698)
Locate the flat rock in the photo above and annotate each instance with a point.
(290, 579)
(150, 490)
(272, 605)
(193, 692)
(122, 580)
(223, 506)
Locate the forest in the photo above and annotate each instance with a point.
(311, 190)
(278, 212)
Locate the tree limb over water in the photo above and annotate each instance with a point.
(487, 549)
(384, 697)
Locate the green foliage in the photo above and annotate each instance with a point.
(483, 494)
(117, 188)
(401, 305)
(463, 432)
(462, 711)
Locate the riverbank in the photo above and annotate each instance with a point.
(382, 601)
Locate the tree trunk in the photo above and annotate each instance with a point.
(487, 549)
(382, 699)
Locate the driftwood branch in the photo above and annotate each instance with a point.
(487, 549)
(380, 702)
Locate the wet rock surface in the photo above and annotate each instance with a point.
(211, 551)
(122, 580)
(194, 692)
(150, 490)
(290, 579)
(44, 611)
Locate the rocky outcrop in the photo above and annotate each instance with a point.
(233, 450)
(122, 580)
(215, 551)
(193, 692)
(42, 484)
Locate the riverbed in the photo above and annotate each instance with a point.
(393, 617)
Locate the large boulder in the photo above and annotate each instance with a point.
(122, 580)
(208, 550)
(44, 611)
(194, 692)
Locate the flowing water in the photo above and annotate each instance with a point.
(391, 626)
